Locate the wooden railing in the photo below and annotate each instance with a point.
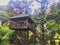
(22, 25)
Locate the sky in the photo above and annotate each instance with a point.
(5, 2)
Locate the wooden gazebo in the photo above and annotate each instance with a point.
(21, 22)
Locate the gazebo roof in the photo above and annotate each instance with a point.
(20, 16)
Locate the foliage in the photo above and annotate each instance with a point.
(54, 15)
(39, 17)
(52, 28)
(5, 34)
(10, 12)
(5, 12)
(53, 22)
(4, 15)
(33, 39)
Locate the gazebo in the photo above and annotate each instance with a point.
(22, 23)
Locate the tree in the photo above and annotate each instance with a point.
(55, 16)
(41, 20)
(53, 22)
(5, 12)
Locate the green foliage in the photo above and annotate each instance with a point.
(10, 12)
(52, 26)
(5, 34)
(53, 22)
(54, 15)
(39, 18)
(33, 39)
(5, 12)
